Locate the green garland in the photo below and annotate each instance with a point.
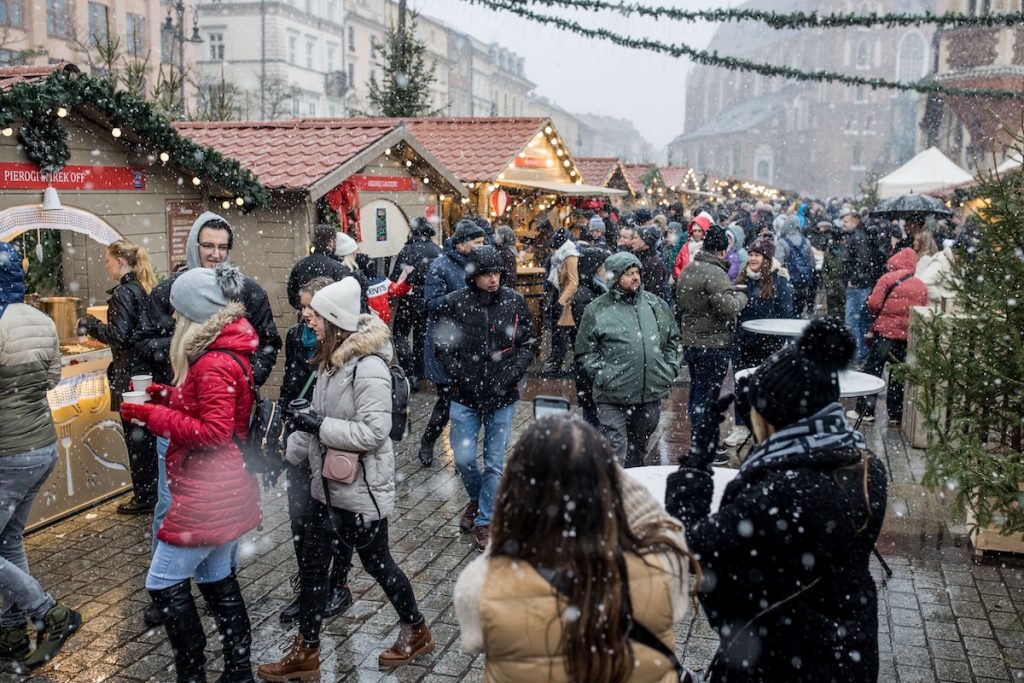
(45, 137)
(791, 20)
(738, 64)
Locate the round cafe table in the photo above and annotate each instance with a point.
(655, 478)
(852, 384)
(777, 327)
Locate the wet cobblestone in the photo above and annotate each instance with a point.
(942, 617)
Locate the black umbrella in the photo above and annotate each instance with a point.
(910, 206)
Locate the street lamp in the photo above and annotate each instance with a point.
(176, 31)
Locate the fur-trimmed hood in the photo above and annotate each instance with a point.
(229, 329)
(372, 336)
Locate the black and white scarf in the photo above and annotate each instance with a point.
(826, 430)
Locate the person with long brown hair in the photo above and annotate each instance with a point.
(585, 576)
(129, 266)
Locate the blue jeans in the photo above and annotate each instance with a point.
(173, 564)
(21, 477)
(858, 320)
(708, 368)
(497, 425)
(163, 500)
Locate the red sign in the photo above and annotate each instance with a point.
(18, 176)
(532, 162)
(380, 183)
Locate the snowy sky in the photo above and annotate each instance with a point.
(589, 76)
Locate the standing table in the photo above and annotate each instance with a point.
(852, 384)
(655, 478)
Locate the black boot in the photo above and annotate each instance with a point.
(426, 455)
(224, 598)
(184, 630)
(340, 597)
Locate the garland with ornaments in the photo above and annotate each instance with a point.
(791, 20)
(40, 105)
(738, 64)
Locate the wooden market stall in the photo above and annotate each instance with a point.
(606, 172)
(79, 169)
(645, 185)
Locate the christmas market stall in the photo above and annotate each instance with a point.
(605, 172)
(645, 185)
(369, 177)
(80, 167)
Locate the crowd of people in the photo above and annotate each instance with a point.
(630, 299)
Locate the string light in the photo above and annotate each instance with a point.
(116, 132)
(7, 132)
(165, 157)
(225, 204)
(62, 112)
(196, 180)
(239, 201)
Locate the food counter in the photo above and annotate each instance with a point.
(92, 460)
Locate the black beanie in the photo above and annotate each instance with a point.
(803, 377)
(482, 260)
(466, 230)
(715, 239)
(650, 234)
(642, 216)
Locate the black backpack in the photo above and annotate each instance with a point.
(399, 399)
(264, 446)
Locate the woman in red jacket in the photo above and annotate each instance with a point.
(215, 501)
(890, 301)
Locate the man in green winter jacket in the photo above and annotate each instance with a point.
(628, 344)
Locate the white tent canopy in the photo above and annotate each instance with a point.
(1013, 160)
(928, 171)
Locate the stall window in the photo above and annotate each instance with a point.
(57, 13)
(136, 35)
(98, 18)
(11, 13)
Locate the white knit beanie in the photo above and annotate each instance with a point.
(344, 245)
(339, 303)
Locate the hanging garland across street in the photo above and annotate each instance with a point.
(739, 64)
(36, 105)
(790, 20)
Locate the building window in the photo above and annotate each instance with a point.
(856, 155)
(9, 57)
(861, 94)
(912, 59)
(295, 106)
(351, 75)
(332, 58)
(310, 49)
(293, 49)
(97, 23)
(11, 14)
(135, 34)
(216, 42)
(351, 40)
(863, 55)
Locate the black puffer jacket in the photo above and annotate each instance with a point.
(419, 252)
(484, 341)
(321, 264)
(124, 312)
(781, 526)
(153, 337)
(652, 271)
(591, 260)
(297, 369)
(864, 254)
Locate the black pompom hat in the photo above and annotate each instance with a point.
(803, 377)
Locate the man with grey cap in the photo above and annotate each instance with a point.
(628, 345)
(596, 228)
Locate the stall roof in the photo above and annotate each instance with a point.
(635, 176)
(597, 170)
(10, 75)
(928, 171)
(673, 176)
(572, 189)
(310, 154)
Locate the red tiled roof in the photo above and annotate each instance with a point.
(673, 175)
(288, 155)
(635, 175)
(9, 75)
(596, 170)
(475, 149)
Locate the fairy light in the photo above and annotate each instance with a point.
(7, 132)
(116, 132)
(239, 201)
(165, 157)
(196, 180)
(62, 112)
(225, 204)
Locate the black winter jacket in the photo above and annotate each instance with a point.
(419, 252)
(652, 271)
(124, 312)
(321, 264)
(591, 260)
(484, 341)
(780, 527)
(864, 255)
(297, 369)
(153, 338)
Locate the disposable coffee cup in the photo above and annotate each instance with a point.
(134, 397)
(141, 382)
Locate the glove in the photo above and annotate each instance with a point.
(705, 436)
(743, 396)
(159, 393)
(307, 422)
(136, 413)
(86, 325)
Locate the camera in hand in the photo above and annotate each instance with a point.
(298, 406)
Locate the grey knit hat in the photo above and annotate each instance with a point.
(200, 293)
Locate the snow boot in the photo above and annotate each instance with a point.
(184, 630)
(414, 640)
(14, 643)
(224, 598)
(59, 624)
(301, 663)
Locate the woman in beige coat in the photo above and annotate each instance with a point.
(586, 575)
(350, 411)
(564, 279)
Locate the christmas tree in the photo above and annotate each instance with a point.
(405, 88)
(969, 367)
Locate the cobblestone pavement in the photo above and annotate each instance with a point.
(942, 617)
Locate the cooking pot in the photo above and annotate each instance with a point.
(63, 310)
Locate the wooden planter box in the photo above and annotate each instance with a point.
(989, 539)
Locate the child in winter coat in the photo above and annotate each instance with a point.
(382, 290)
(696, 229)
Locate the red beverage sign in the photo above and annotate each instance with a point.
(380, 183)
(531, 162)
(20, 176)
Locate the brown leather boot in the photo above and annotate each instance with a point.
(469, 517)
(301, 663)
(413, 641)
